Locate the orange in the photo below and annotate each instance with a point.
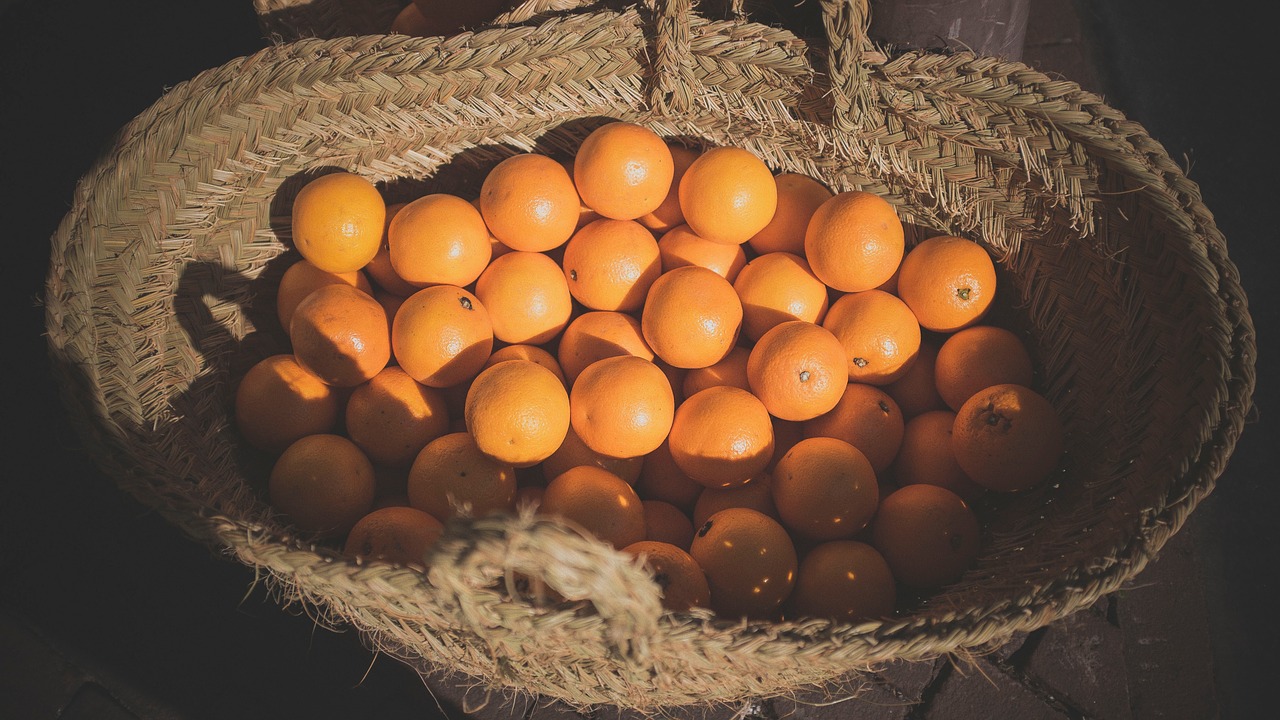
(392, 417)
(679, 246)
(390, 305)
(749, 561)
(927, 534)
(881, 337)
(410, 21)
(495, 245)
(732, 370)
(1007, 437)
(778, 287)
(451, 473)
(926, 455)
(380, 269)
(622, 406)
(447, 18)
(338, 219)
(529, 202)
(721, 437)
(278, 401)
(978, 357)
(574, 452)
(527, 352)
(597, 335)
(825, 489)
(668, 214)
(518, 412)
(682, 581)
(675, 376)
(526, 296)
(757, 494)
(916, 392)
(442, 335)
(867, 418)
(798, 198)
(948, 282)
(728, 195)
(340, 333)
(691, 317)
(585, 214)
(664, 522)
(438, 239)
(854, 241)
(661, 479)
(597, 501)
(394, 534)
(798, 370)
(302, 278)
(610, 264)
(323, 483)
(623, 170)
(846, 581)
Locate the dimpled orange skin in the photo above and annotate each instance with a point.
(756, 494)
(526, 297)
(661, 479)
(683, 583)
(691, 317)
(916, 392)
(438, 239)
(598, 501)
(574, 452)
(844, 580)
(721, 437)
(798, 370)
(380, 270)
(749, 560)
(278, 401)
(1007, 438)
(881, 336)
(394, 534)
(340, 333)
(302, 278)
(338, 221)
(442, 335)
(728, 195)
(948, 282)
(323, 483)
(451, 472)
(778, 287)
(926, 456)
(667, 523)
(854, 241)
(978, 357)
(518, 412)
(867, 418)
(927, 534)
(680, 246)
(668, 215)
(622, 406)
(530, 203)
(392, 417)
(825, 489)
(623, 170)
(610, 264)
(527, 352)
(597, 335)
(732, 370)
(799, 196)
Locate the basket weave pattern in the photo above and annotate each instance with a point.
(158, 299)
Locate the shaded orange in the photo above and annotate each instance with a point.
(610, 264)
(927, 534)
(978, 357)
(683, 584)
(392, 417)
(825, 489)
(323, 483)
(442, 335)
(721, 437)
(394, 534)
(867, 418)
(1007, 438)
(778, 287)
(799, 196)
(668, 215)
(926, 455)
(622, 406)
(749, 561)
(279, 401)
(340, 333)
(451, 473)
(302, 278)
(680, 246)
(854, 241)
(597, 335)
(597, 501)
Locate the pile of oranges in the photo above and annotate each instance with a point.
(742, 376)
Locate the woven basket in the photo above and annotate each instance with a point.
(159, 298)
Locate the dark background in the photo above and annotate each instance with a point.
(114, 587)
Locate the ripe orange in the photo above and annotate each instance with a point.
(728, 195)
(732, 370)
(749, 561)
(798, 370)
(410, 21)
(778, 287)
(661, 479)
(867, 418)
(597, 335)
(597, 501)
(574, 452)
(442, 335)
(757, 494)
(948, 282)
(438, 239)
(278, 401)
(526, 296)
(610, 264)
(978, 357)
(691, 317)
(622, 406)
(664, 522)
(338, 220)
(392, 417)
(623, 170)
(668, 214)
(529, 202)
(380, 269)
(721, 437)
(825, 489)
(394, 534)
(927, 534)
(926, 455)
(854, 241)
(451, 473)
(518, 412)
(846, 581)
(323, 483)
(340, 334)
(527, 352)
(679, 246)
(916, 392)
(881, 337)
(1007, 437)
(682, 581)
(495, 245)
(302, 278)
(798, 198)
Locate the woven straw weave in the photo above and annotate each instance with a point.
(159, 297)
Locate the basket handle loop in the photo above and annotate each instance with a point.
(674, 81)
(847, 24)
